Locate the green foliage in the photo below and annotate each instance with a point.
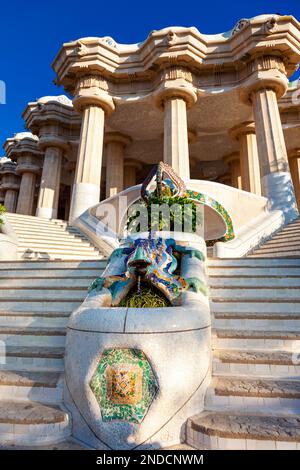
(146, 297)
(2, 211)
(183, 212)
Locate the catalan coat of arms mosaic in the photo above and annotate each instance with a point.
(124, 385)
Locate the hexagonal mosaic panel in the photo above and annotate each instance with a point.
(124, 385)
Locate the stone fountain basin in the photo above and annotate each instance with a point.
(176, 342)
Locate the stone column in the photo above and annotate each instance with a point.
(245, 135)
(130, 168)
(115, 144)
(10, 185)
(50, 181)
(266, 83)
(225, 179)
(294, 162)
(28, 168)
(93, 101)
(175, 95)
(233, 161)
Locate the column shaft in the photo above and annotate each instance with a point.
(50, 183)
(176, 148)
(295, 173)
(26, 194)
(270, 138)
(10, 200)
(86, 190)
(114, 168)
(276, 182)
(249, 163)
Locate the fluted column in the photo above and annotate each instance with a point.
(130, 168)
(115, 144)
(28, 168)
(233, 161)
(294, 162)
(10, 185)
(266, 83)
(174, 96)
(50, 183)
(93, 103)
(245, 135)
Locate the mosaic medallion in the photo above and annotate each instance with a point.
(124, 385)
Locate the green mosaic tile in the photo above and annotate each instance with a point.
(124, 385)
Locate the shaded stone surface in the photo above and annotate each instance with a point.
(256, 387)
(255, 357)
(28, 378)
(248, 426)
(30, 413)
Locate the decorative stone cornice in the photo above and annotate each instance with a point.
(197, 56)
(242, 129)
(51, 111)
(10, 179)
(23, 149)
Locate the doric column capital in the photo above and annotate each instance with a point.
(264, 72)
(117, 137)
(53, 140)
(232, 157)
(92, 90)
(245, 128)
(175, 82)
(132, 163)
(294, 153)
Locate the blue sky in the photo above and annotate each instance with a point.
(32, 32)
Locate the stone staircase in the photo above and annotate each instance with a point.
(285, 243)
(254, 398)
(37, 298)
(46, 239)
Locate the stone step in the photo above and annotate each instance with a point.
(52, 248)
(285, 237)
(244, 431)
(285, 249)
(47, 283)
(38, 231)
(66, 444)
(22, 306)
(257, 282)
(268, 395)
(252, 340)
(43, 294)
(54, 240)
(32, 336)
(246, 317)
(52, 264)
(251, 262)
(32, 423)
(34, 219)
(281, 244)
(39, 320)
(52, 256)
(252, 271)
(245, 307)
(271, 323)
(45, 387)
(48, 274)
(277, 253)
(255, 294)
(259, 363)
(32, 358)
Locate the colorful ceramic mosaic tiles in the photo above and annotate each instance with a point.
(124, 385)
(209, 201)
